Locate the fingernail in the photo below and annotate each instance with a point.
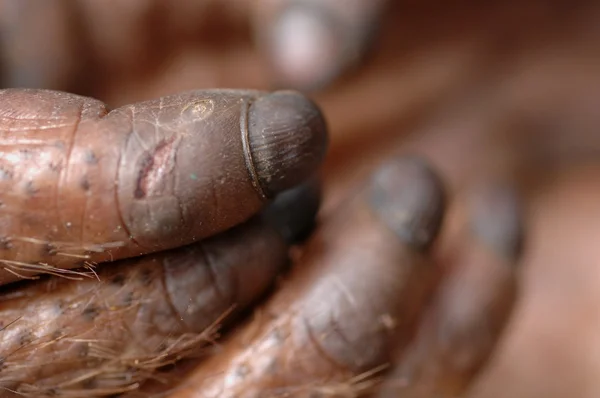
(288, 140)
(497, 219)
(410, 199)
(293, 212)
(306, 46)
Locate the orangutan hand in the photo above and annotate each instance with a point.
(126, 51)
(150, 228)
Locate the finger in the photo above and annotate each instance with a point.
(310, 42)
(80, 185)
(97, 338)
(472, 308)
(353, 297)
(58, 44)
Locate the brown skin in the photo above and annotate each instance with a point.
(352, 308)
(365, 328)
(438, 52)
(97, 338)
(176, 170)
(333, 327)
(460, 329)
(308, 44)
(145, 36)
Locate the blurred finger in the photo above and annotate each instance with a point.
(99, 338)
(36, 44)
(61, 44)
(81, 185)
(471, 310)
(309, 43)
(353, 297)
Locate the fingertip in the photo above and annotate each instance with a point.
(410, 198)
(311, 43)
(305, 46)
(471, 309)
(287, 139)
(293, 211)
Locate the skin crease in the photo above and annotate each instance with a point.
(526, 83)
(338, 352)
(107, 335)
(159, 308)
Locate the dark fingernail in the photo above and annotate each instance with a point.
(497, 219)
(287, 138)
(293, 212)
(410, 199)
(306, 46)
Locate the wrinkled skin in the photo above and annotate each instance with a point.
(476, 100)
(366, 295)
